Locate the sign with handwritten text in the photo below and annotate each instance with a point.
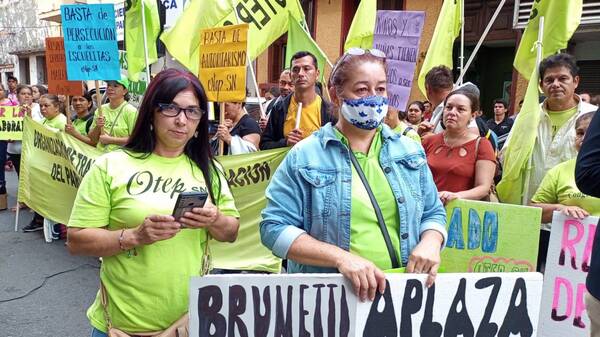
(569, 252)
(397, 34)
(468, 304)
(491, 237)
(56, 68)
(90, 42)
(223, 62)
(11, 123)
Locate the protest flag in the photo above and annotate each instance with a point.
(446, 30)
(363, 25)
(183, 40)
(520, 147)
(134, 36)
(300, 40)
(561, 21)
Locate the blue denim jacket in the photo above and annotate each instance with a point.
(311, 193)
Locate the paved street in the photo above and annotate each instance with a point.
(27, 262)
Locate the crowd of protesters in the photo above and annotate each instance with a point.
(357, 166)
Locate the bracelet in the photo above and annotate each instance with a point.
(123, 248)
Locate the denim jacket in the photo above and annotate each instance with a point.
(311, 193)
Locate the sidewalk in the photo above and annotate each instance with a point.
(58, 307)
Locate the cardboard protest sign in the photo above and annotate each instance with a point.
(52, 166)
(248, 176)
(325, 305)
(397, 33)
(11, 123)
(56, 68)
(491, 237)
(90, 42)
(223, 62)
(563, 310)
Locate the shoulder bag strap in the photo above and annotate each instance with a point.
(382, 226)
(406, 131)
(104, 301)
(117, 118)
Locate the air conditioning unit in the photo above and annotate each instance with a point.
(590, 16)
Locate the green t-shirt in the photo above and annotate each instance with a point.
(412, 133)
(559, 118)
(80, 125)
(366, 239)
(558, 187)
(58, 122)
(147, 292)
(117, 127)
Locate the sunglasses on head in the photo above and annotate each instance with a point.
(355, 51)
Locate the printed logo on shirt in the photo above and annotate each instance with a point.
(145, 182)
(576, 195)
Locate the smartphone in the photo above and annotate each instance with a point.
(188, 200)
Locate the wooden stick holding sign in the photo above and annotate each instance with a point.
(99, 103)
(68, 109)
(221, 122)
(298, 116)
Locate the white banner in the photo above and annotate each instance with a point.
(569, 251)
(473, 304)
(120, 20)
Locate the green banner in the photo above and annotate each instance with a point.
(52, 165)
(491, 237)
(248, 176)
(11, 123)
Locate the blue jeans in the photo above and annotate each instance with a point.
(3, 145)
(98, 333)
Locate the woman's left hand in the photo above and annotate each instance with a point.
(223, 133)
(425, 257)
(201, 217)
(105, 139)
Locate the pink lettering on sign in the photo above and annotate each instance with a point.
(558, 282)
(569, 244)
(587, 252)
(579, 306)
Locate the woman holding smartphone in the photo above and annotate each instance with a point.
(123, 209)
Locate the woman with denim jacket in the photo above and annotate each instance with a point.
(319, 214)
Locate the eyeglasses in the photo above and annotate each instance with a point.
(354, 51)
(173, 110)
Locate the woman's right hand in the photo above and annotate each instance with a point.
(575, 212)
(70, 129)
(364, 275)
(157, 228)
(100, 121)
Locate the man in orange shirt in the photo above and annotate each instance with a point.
(281, 130)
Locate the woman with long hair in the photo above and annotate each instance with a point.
(82, 121)
(124, 206)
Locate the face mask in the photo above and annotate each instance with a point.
(365, 113)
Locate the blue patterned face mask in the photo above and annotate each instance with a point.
(365, 113)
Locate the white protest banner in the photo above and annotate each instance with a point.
(472, 304)
(563, 308)
(173, 9)
(397, 33)
(120, 20)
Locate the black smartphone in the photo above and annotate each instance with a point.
(188, 200)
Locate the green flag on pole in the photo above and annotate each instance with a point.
(561, 19)
(183, 40)
(446, 30)
(134, 36)
(361, 31)
(300, 40)
(520, 147)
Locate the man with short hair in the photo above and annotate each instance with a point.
(555, 142)
(427, 112)
(286, 87)
(439, 82)
(12, 89)
(281, 129)
(500, 123)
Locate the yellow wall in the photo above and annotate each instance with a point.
(328, 29)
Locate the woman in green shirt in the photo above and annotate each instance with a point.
(114, 121)
(50, 108)
(558, 191)
(81, 124)
(123, 209)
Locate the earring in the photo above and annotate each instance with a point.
(151, 127)
(196, 134)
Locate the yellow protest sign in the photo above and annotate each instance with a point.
(52, 166)
(223, 62)
(11, 123)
